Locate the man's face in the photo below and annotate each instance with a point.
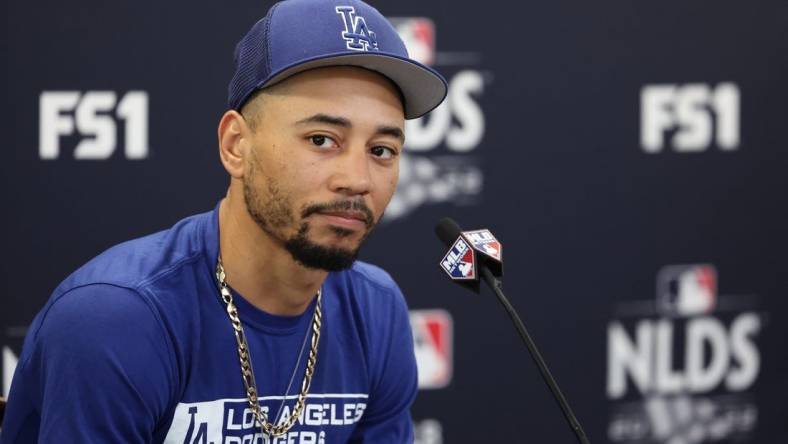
(323, 162)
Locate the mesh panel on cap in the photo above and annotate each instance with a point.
(252, 62)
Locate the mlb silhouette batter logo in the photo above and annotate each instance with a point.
(460, 262)
(357, 35)
(465, 266)
(484, 242)
(687, 290)
(418, 34)
(433, 332)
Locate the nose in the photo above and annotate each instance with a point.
(352, 175)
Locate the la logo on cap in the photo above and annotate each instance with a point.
(357, 35)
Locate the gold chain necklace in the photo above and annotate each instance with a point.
(247, 373)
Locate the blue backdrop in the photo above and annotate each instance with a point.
(630, 156)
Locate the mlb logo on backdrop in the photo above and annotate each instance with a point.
(677, 371)
(441, 162)
(686, 290)
(433, 345)
(418, 33)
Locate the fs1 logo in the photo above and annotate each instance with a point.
(680, 371)
(689, 118)
(64, 113)
(357, 35)
(438, 163)
(433, 332)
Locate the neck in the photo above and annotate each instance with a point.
(259, 268)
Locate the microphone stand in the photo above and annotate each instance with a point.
(495, 285)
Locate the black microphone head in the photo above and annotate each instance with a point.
(448, 231)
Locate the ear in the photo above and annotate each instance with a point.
(234, 135)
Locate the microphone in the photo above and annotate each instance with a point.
(475, 254)
(470, 252)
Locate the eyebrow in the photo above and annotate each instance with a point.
(391, 131)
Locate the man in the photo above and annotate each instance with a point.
(253, 323)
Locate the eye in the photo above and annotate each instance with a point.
(322, 141)
(383, 152)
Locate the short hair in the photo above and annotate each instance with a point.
(253, 108)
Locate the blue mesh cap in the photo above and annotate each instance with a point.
(298, 35)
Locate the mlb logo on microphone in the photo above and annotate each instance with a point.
(460, 262)
(433, 345)
(418, 33)
(686, 290)
(484, 241)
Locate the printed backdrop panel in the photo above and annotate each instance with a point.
(628, 156)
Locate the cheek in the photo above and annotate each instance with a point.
(305, 179)
(296, 172)
(387, 186)
(309, 174)
(393, 183)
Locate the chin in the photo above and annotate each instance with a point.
(348, 243)
(336, 235)
(329, 256)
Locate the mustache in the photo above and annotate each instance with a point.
(341, 205)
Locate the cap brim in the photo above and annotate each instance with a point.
(423, 89)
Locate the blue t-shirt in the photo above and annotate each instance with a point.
(136, 347)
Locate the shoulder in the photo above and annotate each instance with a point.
(372, 275)
(125, 286)
(93, 312)
(134, 263)
(371, 286)
(98, 325)
(98, 335)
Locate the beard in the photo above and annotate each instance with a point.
(275, 215)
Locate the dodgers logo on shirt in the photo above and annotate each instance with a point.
(357, 35)
(460, 261)
(231, 421)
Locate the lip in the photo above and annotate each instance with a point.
(346, 219)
